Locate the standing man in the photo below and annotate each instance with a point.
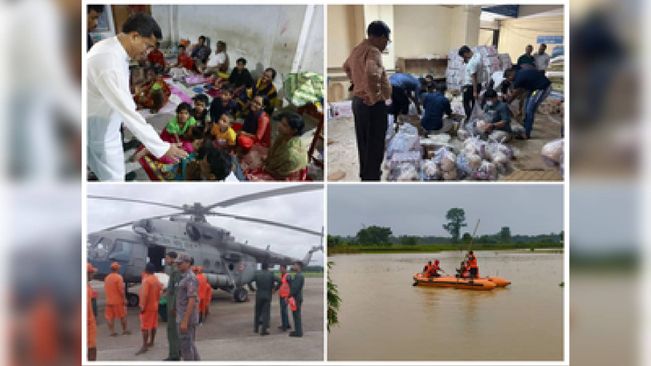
(172, 271)
(535, 87)
(93, 12)
(526, 61)
(110, 102)
(404, 90)
(371, 89)
(472, 264)
(150, 291)
(542, 58)
(296, 291)
(91, 324)
(187, 312)
(283, 295)
(265, 282)
(471, 83)
(116, 301)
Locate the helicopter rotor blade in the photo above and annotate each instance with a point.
(266, 222)
(265, 194)
(135, 201)
(131, 222)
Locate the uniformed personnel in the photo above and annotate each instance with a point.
(187, 308)
(296, 291)
(265, 282)
(174, 354)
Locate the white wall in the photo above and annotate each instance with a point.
(421, 30)
(263, 34)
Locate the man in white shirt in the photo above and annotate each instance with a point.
(471, 83)
(219, 61)
(110, 102)
(542, 58)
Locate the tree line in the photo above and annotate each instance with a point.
(383, 236)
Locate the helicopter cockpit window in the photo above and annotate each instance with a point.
(99, 249)
(121, 250)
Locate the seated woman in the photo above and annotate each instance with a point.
(154, 93)
(264, 88)
(256, 129)
(287, 157)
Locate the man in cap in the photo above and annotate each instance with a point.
(265, 282)
(371, 88)
(187, 304)
(91, 324)
(296, 291)
(150, 291)
(172, 331)
(116, 301)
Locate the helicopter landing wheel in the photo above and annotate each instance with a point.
(132, 300)
(240, 294)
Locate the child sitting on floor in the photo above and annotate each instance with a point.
(212, 164)
(152, 94)
(201, 113)
(223, 104)
(178, 130)
(223, 133)
(178, 126)
(184, 60)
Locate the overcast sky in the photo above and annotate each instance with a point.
(303, 209)
(420, 209)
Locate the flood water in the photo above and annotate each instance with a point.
(383, 317)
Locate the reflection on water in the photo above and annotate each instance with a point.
(383, 317)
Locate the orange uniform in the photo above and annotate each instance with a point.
(203, 292)
(91, 325)
(115, 297)
(150, 292)
(472, 261)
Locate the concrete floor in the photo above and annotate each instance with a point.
(227, 334)
(528, 165)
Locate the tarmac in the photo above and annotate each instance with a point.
(227, 334)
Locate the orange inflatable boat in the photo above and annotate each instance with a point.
(478, 284)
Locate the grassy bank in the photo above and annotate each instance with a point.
(432, 248)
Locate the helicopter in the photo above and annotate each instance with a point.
(227, 264)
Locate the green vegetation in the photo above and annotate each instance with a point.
(378, 239)
(398, 248)
(334, 300)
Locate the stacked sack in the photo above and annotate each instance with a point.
(443, 166)
(505, 61)
(404, 154)
(455, 72)
(553, 154)
(481, 160)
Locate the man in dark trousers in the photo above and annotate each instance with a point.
(172, 332)
(283, 295)
(265, 282)
(534, 86)
(371, 89)
(296, 291)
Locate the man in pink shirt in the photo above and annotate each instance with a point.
(371, 88)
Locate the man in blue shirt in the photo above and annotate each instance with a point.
(404, 90)
(436, 105)
(534, 86)
(527, 61)
(497, 115)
